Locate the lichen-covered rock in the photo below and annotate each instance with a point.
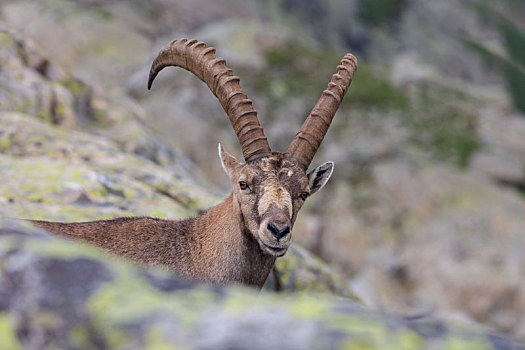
(25, 86)
(60, 294)
(300, 271)
(37, 86)
(73, 176)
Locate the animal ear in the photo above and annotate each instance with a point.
(318, 177)
(228, 162)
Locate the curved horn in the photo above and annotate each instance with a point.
(312, 132)
(195, 57)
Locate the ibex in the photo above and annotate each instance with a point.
(239, 239)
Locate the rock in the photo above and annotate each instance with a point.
(300, 271)
(26, 87)
(473, 262)
(444, 22)
(503, 157)
(502, 168)
(408, 68)
(48, 169)
(115, 55)
(68, 102)
(62, 294)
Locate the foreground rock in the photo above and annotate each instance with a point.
(65, 295)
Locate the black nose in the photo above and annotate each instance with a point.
(278, 232)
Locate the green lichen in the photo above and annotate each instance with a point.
(98, 192)
(140, 298)
(45, 116)
(8, 339)
(59, 112)
(104, 304)
(4, 142)
(74, 86)
(237, 302)
(129, 193)
(62, 249)
(99, 114)
(310, 308)
(367, 326)
(300, 272)
(6, 40)
(409, 340)
(129, 297)
(474, 343)
(155, 340)
(188, 305)
(357, 344)
(285, 266)
(116, 339)
(80, 337)
(372, 333)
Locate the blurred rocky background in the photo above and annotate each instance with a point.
(425, 213)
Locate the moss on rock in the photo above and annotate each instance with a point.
(8, 332)
(93, 301)
(299, 271)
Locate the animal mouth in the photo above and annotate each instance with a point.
(275, 250)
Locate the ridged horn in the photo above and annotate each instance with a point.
(195, 57)
(309, 137)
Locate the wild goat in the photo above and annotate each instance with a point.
(239, 239)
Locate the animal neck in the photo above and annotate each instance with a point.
(227, 252)
(213, 247)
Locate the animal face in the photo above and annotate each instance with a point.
(268, 193)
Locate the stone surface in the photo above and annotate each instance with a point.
(65, 295)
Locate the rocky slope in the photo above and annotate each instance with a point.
(425, 210)
(65, 295)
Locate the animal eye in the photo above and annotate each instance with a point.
(304, 195)
(243, 185)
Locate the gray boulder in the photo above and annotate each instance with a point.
(61, 294)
